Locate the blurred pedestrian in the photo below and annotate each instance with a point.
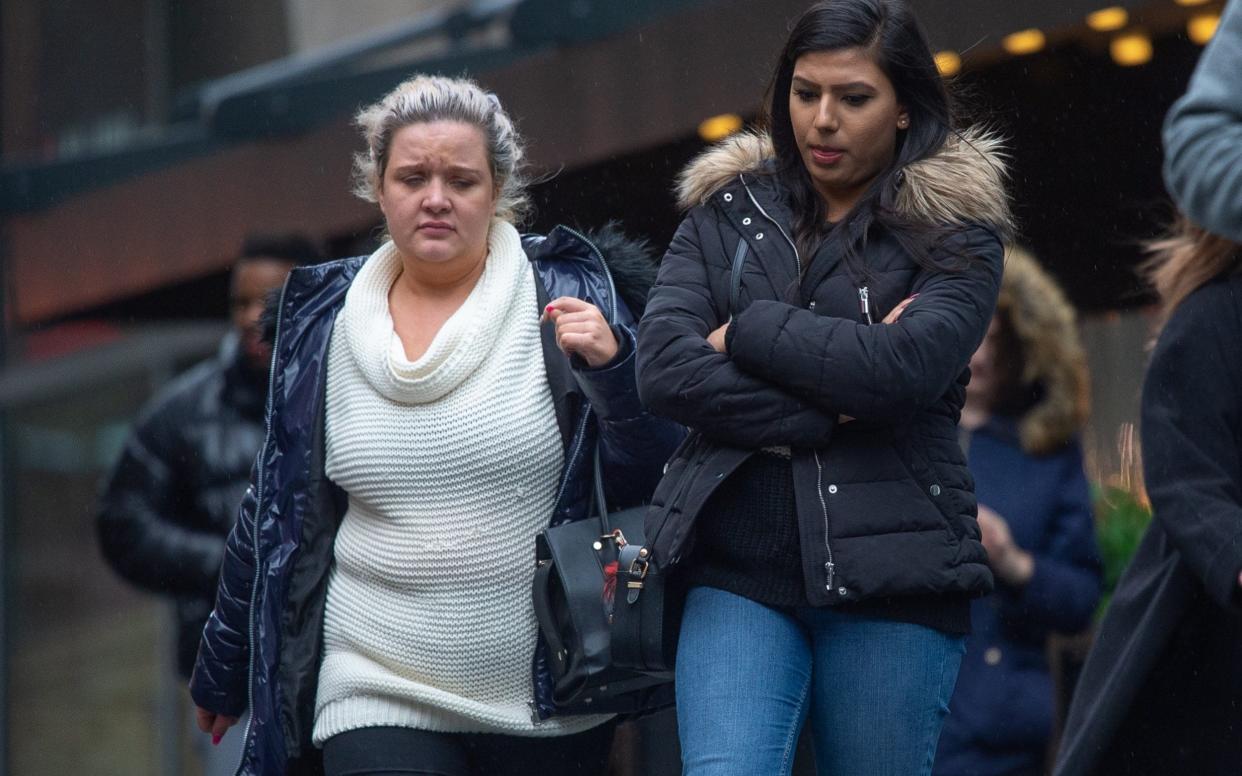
(812, 324)
(426, 423)
(1161, 691)
(1025, 405)
(1203, 134)
(173, 495)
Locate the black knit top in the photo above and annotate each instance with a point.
(747, 543)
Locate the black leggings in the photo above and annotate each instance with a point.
(394, 751)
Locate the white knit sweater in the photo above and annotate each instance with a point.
(451, 464)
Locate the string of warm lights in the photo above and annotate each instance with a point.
(1130, 46)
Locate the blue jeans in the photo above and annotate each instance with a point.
(748, 675)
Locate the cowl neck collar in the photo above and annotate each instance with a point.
(462, 343)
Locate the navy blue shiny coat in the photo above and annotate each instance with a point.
(261, 646)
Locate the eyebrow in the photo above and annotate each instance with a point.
(852, 85)
(452, 168)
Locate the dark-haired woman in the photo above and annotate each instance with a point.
(1160, 691)
(812, 323)
(1025, 405)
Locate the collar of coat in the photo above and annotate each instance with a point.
(963, 182)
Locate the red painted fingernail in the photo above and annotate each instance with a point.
(549, 308)
(215, 738)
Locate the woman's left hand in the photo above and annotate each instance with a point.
(717, 338)
(582, 331)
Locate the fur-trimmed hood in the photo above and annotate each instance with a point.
(1045, 323)
(963, 182)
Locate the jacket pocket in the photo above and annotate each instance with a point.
(927, 479)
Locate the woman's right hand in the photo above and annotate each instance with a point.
(215, 724)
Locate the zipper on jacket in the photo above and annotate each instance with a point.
(612, 287)
(254, 536)
(864, 303)
(571, 461)
(829, 567)
(779, 228)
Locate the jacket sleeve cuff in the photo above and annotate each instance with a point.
(215, 699)
(613, 389)
(745, 341)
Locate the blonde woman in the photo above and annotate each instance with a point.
(432, 407)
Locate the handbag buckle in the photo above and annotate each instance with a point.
(638, 570)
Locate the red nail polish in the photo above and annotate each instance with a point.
(215, 738)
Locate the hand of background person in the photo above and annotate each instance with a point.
(717, 338)
(215, 724)
(1009, 561)
(582, 331)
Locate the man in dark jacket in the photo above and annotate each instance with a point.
(173, 494)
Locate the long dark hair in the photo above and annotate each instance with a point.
(889, 29)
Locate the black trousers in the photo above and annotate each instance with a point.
(394, 751)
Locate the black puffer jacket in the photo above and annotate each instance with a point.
(173, 494)
(885, 503)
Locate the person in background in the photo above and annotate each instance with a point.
(1161, 691)
(1025, 405)
(173, 495)
(1203, 135)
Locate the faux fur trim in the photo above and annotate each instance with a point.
(1044, 321)
(964, 181)
(716, 167)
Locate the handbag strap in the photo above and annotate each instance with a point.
(600, 502)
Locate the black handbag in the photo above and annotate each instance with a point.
(609, 630)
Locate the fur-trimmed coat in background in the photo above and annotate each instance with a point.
(1029, 470)
(885, 503)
